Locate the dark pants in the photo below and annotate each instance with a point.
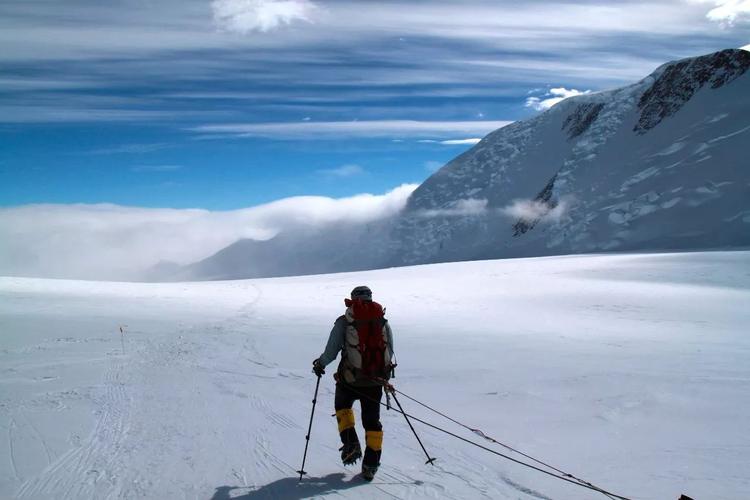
(369, 399)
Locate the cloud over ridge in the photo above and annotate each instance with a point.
(552, 97)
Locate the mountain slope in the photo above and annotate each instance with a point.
(660, 164)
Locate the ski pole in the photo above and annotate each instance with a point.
(430, 461)
(309, 428)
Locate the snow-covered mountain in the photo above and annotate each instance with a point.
(659, 164)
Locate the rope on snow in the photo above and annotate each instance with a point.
(561, 475)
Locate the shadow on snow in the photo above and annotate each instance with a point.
(291, 488)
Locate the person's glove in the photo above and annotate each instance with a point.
(318, 368)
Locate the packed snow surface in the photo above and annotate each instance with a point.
(631, 371)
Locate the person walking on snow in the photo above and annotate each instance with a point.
(364, 338)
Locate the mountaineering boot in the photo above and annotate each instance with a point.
(351, 452)
(371, 460)
(368, 471)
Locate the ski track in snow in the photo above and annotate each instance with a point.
(97, 460)
(11, 451)
(211, 400)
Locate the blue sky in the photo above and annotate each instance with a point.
(228, 104)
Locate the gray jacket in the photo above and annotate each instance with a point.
(337, 338)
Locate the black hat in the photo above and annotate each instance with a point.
(362, 292)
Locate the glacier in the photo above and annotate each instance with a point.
(630, 371)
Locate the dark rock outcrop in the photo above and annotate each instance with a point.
(581, 119)
(682, 79)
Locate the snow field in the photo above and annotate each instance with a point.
(630, 371)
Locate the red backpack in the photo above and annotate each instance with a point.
(366, 353)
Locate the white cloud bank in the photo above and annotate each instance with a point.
(116, 242)
(247, 16)
(552, 97)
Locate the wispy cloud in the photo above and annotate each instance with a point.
(246, 16)
(72, 114)
(133, 148)
(336, 130)
(26, 84)
(454, 49)
(156, 168)
(189, 27)
(459, 208)
(552, 97)
(116, 242)
(433, 166)
(453, 142)
(527, 210)
(343, 171)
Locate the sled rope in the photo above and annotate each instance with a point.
(561, 476)
(481, 434)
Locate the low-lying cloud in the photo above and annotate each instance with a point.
(116, 242)
(525, 210)
(531, 211)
